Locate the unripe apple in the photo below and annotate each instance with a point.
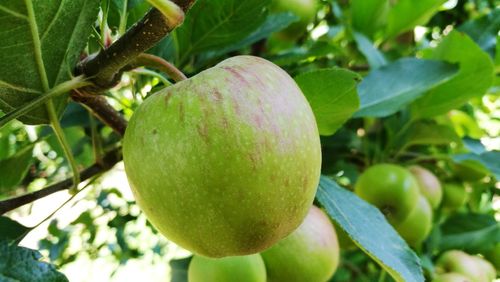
(429, 185)
(462, 263)
(227, 162)
(305, 10)
(391, 188)
(451, 277)
(417, 226)
(249, 268)
(310, 253)
(488, 272)
(454, 196)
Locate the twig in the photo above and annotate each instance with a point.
(108, 161)
(158, 63)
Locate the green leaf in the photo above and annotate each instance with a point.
(22, 264)
(213, 24)
(179, 269)
(473, 79)
(332, 95)
(488, 159)
(374, 57)
(61, 28)
(470, 232)
(11, 230)
(484, 31)
(368, 16)
(369, 230)
(15, 168)
(406, 14)
(388, 89)
(430, 134)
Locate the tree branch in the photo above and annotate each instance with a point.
(108, 161)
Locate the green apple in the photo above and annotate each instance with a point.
(487, 269)
(451, 277)
(417, 226)
(454, 196)
(311, 253)
(391, 188)
(227, 162)
(429, 185)
(249, 268)
(305, 10)
(462, 263)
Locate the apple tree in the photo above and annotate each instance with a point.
(257, 140)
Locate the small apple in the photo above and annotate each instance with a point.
(391, 188)
(310, 253)
(249, 268)
(227, 162)
(462, 263)
(429, 185)
(451, 277)
(487, 269)
(454, 196)
(417, 226)
(305, 10)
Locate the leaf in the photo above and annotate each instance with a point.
(179, 268)
(11, 230)
(62, 28)
(388, 89)
(488, 159)
(473, 79)
(213, 24)
(22, 264)
(368, 16)
(15, 168)
(374, 57)
(430, 134)
(470, 232)
(332, 95)
(369, 230)
(406, 14)
(484, 31)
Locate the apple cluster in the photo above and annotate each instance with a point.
(310, 253)
(458, 266)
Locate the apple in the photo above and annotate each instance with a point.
(429, 185)
(454, 196)
(461, 263)
(451, 277)
(311, 253)
(225, 163)
(305, 10)
(417, 226)
(493, 256)
(487, 269)
(391, 188)
(249, 268)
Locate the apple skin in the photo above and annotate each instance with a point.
(454, 196)
(391, 188)
(249, 268)
(227, 162)
(488, 272)
(461, 263)
(305, 10)
(429, 185)
(311, 253)
(451, 277)
(417, 226)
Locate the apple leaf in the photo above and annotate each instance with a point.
(11, 230)
(332, 95)
(370, 231)
(368, 16)
(429, 134)
(388, 89)
(487, 159)
(406, 14)
(179, 269)
(22, 264)
(14, 168)
(484, 31)
(374, 57)
(473, 79)
(61, 28)
(471, 232)
(212, 24)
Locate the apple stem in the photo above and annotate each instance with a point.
(158, 63)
